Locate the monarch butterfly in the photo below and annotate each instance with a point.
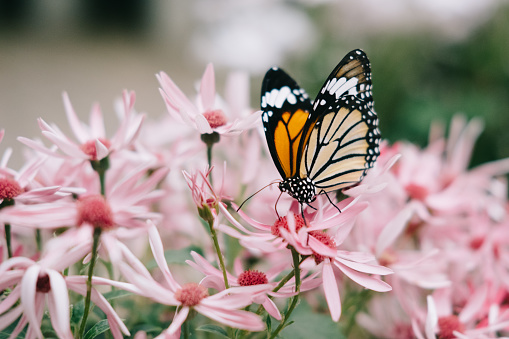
(326, 145)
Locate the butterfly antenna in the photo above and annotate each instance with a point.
(255, 193)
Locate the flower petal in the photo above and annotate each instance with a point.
(330, 288)
(28, 298)
(208, 88)
(74, 122)
(58, 303)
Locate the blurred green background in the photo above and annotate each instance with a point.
(430, 60)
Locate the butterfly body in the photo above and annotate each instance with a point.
(326, 145)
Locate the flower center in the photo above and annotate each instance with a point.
(403, 331)
(9, 188)
(43, 284)
(325, 239)
(95, 210)
(250, 278)
(283, 222)
(448, 325)
(89, 147)
(216, 118)
(417, 192)
(191, 294)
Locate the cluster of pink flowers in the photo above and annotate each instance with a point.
(421, 245)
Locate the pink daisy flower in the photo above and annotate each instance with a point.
(310, 239)
(39, 283)
(223, 307)
(214, 279)
(207, 115)
(443, 322)
(122, 215)
(92, 142)
(21, 185)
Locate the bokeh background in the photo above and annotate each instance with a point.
(431, 59)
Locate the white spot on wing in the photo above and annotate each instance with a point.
(282, 96)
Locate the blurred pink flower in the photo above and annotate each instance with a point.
(207, 116)
(92, 142)
(223, 307)
(444, 322)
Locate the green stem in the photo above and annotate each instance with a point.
(295, 299)
(209, 140)
(8, 239)
(219, 254)
(95, 245)
(38, 240)
(185, 329)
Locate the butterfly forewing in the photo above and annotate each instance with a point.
(286, 108)
(352, 76)
(343, 144)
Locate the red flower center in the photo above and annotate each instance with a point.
(89, 147)
(417, 192)
(9, 188)
(191, 294)
(476, 243)
(95, 210)
(43, 285)
(403, 331)
(325, 239)
(216, 118)
(447, 325)
(283, 222)
(250, 278)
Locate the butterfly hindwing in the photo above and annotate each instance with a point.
(352, 76)
(343, 144)
(286, 108)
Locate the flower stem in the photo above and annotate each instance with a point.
(38, 240)
(8, 239)
(95, 245)
(295, 299)
(7, 227)
(218, 252)
(210, 139)
(185, 329)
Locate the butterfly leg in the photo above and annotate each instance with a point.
(333, 204)
(275, 205)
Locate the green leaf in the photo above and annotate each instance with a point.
(213, 329)
(99, 328)
(307, 324)
(77, 310)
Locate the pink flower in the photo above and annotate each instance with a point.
(206, 116)
(386, 318)
(223, 307)
(204, 195)
(310, 239)
(40, 283)
(122, 215)
(92, 142)
(443, 322)
(214, 279)
(21, 185)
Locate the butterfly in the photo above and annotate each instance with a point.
(325, 145)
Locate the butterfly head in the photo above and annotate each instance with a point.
(302, 189)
